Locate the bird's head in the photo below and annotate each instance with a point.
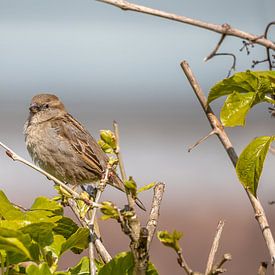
(46, 106)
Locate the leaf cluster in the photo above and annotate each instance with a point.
(244, 90)
(37, 237)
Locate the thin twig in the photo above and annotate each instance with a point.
(215, 124)
(154, 214)
(16, 157)
(214, 248)
(233, 66)
(182, 262)
(267, 49)
(213, 132)
(222, 29)
(218, 267)
(131, 201)
(91, 222)
(214, 52)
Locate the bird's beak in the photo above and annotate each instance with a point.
(34, 108)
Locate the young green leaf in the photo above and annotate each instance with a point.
(250, 164)
(109, 138)
(109, 211)
(243, 82)
(146, 187)
(131, 186)
(170, 239)
(235, 109)
(105, 147)
(259, 82)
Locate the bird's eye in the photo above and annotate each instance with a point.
(47, 106)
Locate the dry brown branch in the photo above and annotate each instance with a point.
(222, 29)
(154, 214)
(215, 124)
(214, 52)
(214, 248)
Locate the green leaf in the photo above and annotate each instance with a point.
(79, 240)
(250, 163)
(7, 210)
(37, 216)
(40, 232)
(105, 147)
(13, 224)
(82, 268)
(65, 227)
(17, 245)
(42, 269)
(146, 187)
(123, 263)
(131, 186)
(109, 138)
(235, 109)
(151, 269)
(43, 203)
(170, 239)
(243, 82)
(56, 246)
(109, 211)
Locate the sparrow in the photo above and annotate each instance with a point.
(61, 146)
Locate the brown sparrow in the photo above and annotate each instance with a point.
(61, 146)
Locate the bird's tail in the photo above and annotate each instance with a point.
(118, 183)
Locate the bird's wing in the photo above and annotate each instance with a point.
(84, 144)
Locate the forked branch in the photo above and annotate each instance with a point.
(222, 29)
(223, 137)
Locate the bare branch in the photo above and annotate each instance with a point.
(214, 248)
(182, 262)
(124, 5)
(154, 214)
(74, 194)
(233, 66)
(215, 124)
(131, 201)
(214, 52)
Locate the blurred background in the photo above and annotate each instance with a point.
(108, 64)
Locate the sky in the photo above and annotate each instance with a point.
(106, 64)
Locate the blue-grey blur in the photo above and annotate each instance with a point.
(106, 64)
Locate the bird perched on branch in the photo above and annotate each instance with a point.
(61, 146)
